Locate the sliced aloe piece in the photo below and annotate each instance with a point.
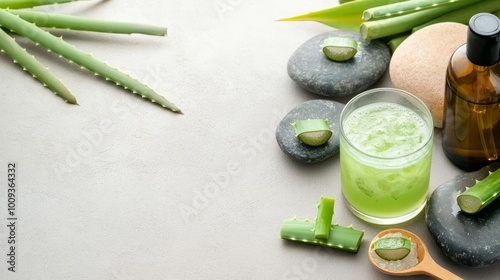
(392, 248)
(313, 132)
(475, 198)
(339, 48)
(324, 218)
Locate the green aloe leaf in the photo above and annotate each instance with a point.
(347, 16)
(85, 60)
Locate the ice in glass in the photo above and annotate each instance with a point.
(385, 155)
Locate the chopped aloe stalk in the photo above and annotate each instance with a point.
(324, 218)
(403, 8)
(87, 24)
(398, 24)
(339, 48)
(392, 248)
(343, 238)
(481, 194)
(313, 132)
(346, 16)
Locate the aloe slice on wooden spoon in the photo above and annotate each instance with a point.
(340, 48)
(475, 198)
(426, 265)
(392, 248)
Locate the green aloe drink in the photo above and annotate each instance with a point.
(385, 156)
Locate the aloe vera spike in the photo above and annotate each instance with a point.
(20, 4)
(343, 238)
(49, 20)
(403, 8)
(475, 198)
(398, 24)
(324, 218)
(85, 60)
(33, 66)
(463, 15)
(345, 16)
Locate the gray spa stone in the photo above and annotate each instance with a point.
(471, 240)
(313, 109)
(313, 71)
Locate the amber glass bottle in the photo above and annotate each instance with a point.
(471, 128)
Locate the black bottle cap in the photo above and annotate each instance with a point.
(483, 39)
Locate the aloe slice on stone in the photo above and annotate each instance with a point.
(343, 238)
(313, 132)
(324, 218)
(392, 248)
(475, 198)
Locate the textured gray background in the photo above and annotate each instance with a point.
(104, 187)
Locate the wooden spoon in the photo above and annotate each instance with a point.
(426, 265)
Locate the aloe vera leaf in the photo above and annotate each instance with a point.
(464, 14)
(20, 4)
(398, 24)
(324, 218)
(85, 60)
(475, 198)
(50, 20)
(402, 8)
(33, 66)
(343, 238)
(346, 16)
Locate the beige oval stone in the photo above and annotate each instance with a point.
(419, 64)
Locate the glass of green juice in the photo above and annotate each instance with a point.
(385, 155)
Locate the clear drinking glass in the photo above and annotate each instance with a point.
(385, 155)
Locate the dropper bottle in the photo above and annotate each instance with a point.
(471, 128)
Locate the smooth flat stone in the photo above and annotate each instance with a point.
(313, 109)
(471, 240)
(312, 70)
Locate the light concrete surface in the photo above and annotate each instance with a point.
(118, 188)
